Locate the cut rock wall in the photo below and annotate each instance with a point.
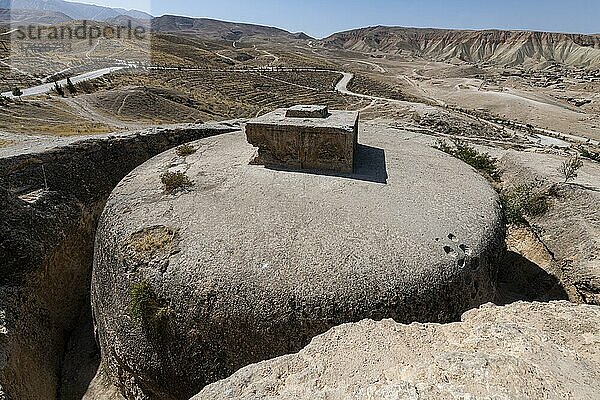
(46, 246)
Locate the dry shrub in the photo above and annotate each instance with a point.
(175, 180)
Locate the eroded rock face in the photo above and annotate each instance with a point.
(251, 263)
(525, 350)
(570, 230)
(46, 247)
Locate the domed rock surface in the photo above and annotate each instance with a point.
(251, 263)
(521, 351)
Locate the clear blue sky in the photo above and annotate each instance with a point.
(321, 18)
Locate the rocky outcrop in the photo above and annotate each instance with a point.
(250, 263)
(525, 350)
(45, 254)
(569, 232)
(502, 48)
(50, 203)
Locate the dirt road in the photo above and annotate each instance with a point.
(48, 87)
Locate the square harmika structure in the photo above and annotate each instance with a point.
(305, 137)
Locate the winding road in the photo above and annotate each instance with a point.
(225, 57)
(377, 67)
(340, 87)
(48, 87)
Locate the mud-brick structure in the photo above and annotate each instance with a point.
(305, 137)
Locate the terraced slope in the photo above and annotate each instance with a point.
(220, 30)
(220, 94)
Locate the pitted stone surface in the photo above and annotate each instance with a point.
(264, 260)
(522, 351)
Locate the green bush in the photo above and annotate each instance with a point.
(175, 180)
(144, 305)
(482, 162)
(526, 200)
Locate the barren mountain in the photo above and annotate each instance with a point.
(72, 9)
(503, 48)
(222, 30)
(33, 17)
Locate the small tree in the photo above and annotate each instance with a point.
(570, 168)
(17, 92)
(72, 89)
(58, 88)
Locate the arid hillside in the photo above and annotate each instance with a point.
(71, 9)
(502, 48)
(220, 30)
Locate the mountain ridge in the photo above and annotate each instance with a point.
(218, 29)
(504, 48)
(495, 46)
(32, 17)
(74, 10)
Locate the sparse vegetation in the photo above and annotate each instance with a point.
(88, 86)
(175, 180)
(569, 169)
(59, 89)
(324, 81)
(58, 129)
(375, 87)
(589, 154)
(482, 162)
(70, 87)
(144, 305)
(443, 145)
(527, 200)
(185, 150)
(239, 94)
(4, 143)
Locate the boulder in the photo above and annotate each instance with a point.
(250, 263)
(522, 351)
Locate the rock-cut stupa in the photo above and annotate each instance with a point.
(289, 229)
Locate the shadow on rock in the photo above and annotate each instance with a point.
(369, 166)
(519, 279)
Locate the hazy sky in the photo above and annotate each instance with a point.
(321, 18)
